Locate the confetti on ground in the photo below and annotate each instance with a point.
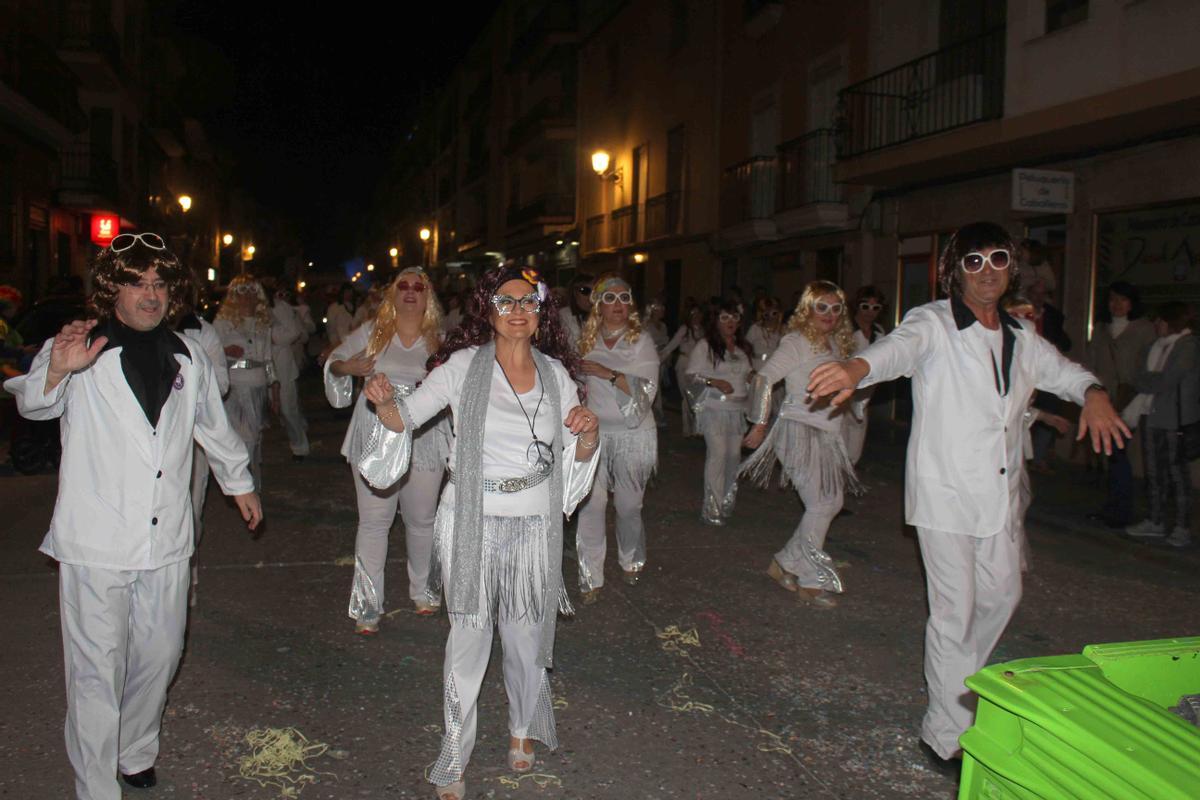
(677, 698)
(673, 639)
(279, 758)
(560, 703)
(541, 780)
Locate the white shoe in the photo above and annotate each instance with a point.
(1146, 529)
(1180, 537)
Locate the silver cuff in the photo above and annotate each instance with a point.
(759, 410)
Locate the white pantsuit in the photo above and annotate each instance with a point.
(122, 534)
(250, 376)
(971, 389)
(286, 330)
(721, 419)
(415, 496)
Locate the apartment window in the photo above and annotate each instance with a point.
(1064, 13)
(679, 24)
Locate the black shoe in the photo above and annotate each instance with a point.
(141, 780)
(949, 767)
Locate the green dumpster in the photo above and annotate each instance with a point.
(1092, 726)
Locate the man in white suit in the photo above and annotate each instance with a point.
(132, 396)
(974, 369)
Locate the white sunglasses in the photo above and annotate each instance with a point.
(998, 259)
(624, 298)
(123, 241)
(822, 307)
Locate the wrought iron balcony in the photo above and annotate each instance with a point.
(958, 85)
(806, 170)
(664, 215)
(622, 231)
(87, 172)
(748, 191)
(555, 112)
(546, 209)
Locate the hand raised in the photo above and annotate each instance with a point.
(70, 351)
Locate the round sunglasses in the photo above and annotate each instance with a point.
(998, 259)
(415, 286)
(505, 304)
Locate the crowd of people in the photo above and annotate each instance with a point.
(486, 419)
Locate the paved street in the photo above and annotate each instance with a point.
(706, 681)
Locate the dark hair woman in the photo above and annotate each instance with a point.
(522, 455)
(717, 372)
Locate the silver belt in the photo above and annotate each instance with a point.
(246, 363)
(509, 485)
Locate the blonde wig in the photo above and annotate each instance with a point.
(240, 309)
(843, 331)
(608, 282)
(385, 318)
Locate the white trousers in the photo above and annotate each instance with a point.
(974, 587)
(244, 406)
(416, 495)
(854, 433)
(722, 454)
(293, 418)
(804, 553)
(591, 538)
(530, 709)
(122, 638)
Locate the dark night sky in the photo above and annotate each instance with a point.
(316, 102)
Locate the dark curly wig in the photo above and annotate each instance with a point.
(476, 328)
(973, 238)
(112, 270)
(712, 333)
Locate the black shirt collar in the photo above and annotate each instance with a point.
(964, 318)
(147, 361)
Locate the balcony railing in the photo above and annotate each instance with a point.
(557, 20)
(88, 172)
(593, 234)
(955, 86)
(806, 170)
(748, 191)
(623, 229)
(548, 208)
(85, 26)
(551, 112)
(664, 215)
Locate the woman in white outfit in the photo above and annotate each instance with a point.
(286, 331)
(523, 455)
(339, 317)
(397, 344)
(685, 338)
(621, 366)
(244, 325)
(807, 440)
(868, 305)
(718, 370)
(767, 330)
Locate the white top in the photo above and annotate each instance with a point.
(964, 452)
(124, 486)
(684, 340)
(1118, 326)
(638, 359)
(286, 331)
(339, 323)
(657, 332)
(735, 367)
(206, 336)
(763, 341)
(508, 437)
(793, 362)
(860, 339)
(255, 341)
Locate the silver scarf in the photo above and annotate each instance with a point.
(462, 592)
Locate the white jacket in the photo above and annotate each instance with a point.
(124, 487)
(964, 464)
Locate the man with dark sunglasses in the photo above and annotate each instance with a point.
(974, 368)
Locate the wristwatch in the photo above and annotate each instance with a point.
(613, 379)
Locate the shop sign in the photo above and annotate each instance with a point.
(104, 228)
(1156, 248)
(1043, 191)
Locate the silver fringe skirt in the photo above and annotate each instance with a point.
(629, 457)
(805, 454)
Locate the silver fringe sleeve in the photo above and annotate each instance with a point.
(693, 393)
(386, 455)
(338, 391)
(759, 409)
(577, 476)
(641, 398)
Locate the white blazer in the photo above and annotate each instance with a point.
(963, 471)
(124, 487)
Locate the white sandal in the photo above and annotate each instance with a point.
(518, 754)
(452, 791)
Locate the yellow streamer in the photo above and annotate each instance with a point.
(674, 640)
(279, 758)
(541, 780)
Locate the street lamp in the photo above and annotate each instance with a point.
(370, 267)
(227, 239)
(425, 233)
(395, 251)
(185, 202)
(602, 166)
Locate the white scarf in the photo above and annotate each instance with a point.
(1143, 403)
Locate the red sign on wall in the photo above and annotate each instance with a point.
(104, 228)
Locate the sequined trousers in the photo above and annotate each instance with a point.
(723, 431)
(512, 599)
